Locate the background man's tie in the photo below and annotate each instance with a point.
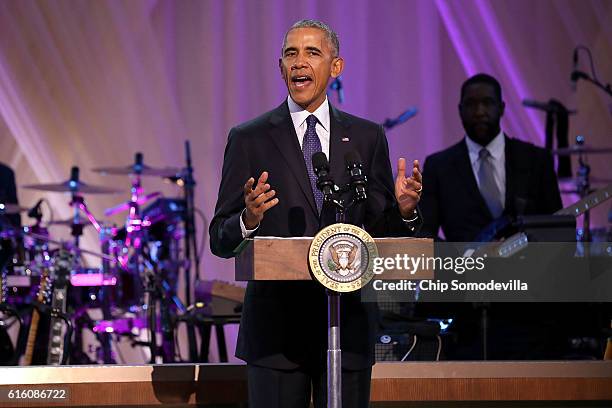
(488, 187)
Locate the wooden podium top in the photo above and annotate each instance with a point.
(274, 258)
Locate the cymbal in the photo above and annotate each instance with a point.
(144, 171)
(581, 149)
(70, 186)
(11, 208)
(126, 205)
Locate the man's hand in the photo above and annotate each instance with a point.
(257, 201)
(408, 189)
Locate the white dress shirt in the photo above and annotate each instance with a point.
(298, 117)
(497, 148)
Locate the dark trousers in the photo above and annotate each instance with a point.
(271, 388)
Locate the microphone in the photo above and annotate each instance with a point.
(352, 161)
(409, 114)
(138, 166)
(336, 85)
(35, 211)
(576, 75)
(73, 183)
(320, 164)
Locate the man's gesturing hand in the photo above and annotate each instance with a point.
(257, 201)
(408, 189)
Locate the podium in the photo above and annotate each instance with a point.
(286, 259)
(261, 260)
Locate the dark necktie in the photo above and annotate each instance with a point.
(488, 187)
(310, 146)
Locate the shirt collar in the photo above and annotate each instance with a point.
(495, 147)
(299, 115)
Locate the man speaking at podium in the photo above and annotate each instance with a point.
(268, 188)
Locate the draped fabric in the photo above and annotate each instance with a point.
(89, 83)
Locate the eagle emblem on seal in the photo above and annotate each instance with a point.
(344, 256)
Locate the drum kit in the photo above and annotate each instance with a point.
(583, 185)
(135, 287)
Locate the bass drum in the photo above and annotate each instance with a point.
(92, 288)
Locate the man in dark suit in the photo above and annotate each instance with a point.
(523, 176)
(283, 330)
(485, 176)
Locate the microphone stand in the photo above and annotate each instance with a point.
(191, 244)
(334, 351)
(576, 75)
(190, 227)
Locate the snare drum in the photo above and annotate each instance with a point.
(35, 250)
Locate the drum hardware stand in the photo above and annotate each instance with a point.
(105, 338)
(151, 308)
(134, 231)
(584, 187)
(83, 320)
(78, 204)
(167, 329)
(159, 291)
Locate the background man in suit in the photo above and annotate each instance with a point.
(487, 174)
(283, 335)
(470, 184)
(8, 195)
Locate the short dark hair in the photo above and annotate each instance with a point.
(482, 78)
(332, 37)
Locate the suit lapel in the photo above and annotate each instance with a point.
(509, 152)
(464, 169)
(517, 178)
(285, 139)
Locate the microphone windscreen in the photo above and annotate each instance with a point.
(319, 161)
(74, 173)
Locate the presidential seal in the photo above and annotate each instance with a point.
(341, 257)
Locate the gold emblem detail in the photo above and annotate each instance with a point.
(341, 257)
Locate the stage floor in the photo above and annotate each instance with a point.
(440, 384)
